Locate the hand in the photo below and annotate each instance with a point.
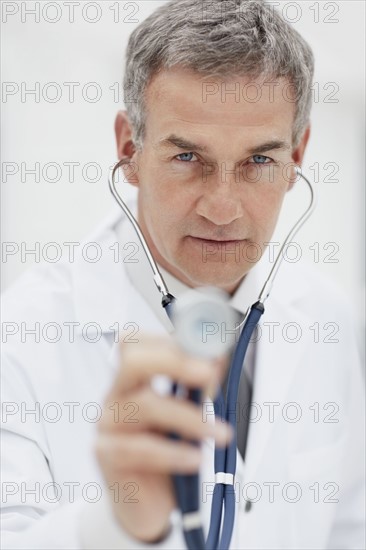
(133, 447)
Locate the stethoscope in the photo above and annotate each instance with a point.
(187, 486)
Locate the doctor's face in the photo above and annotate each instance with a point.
(213, 172)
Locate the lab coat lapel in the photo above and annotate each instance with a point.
(104, 294)
(97, 293)
(276, 365)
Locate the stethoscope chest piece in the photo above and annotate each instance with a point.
(204, 322)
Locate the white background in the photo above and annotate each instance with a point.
(82, 131)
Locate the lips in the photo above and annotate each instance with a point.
(217, 241)
(229, 240)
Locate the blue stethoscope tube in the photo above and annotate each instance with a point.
(225, 459)
(187, 486)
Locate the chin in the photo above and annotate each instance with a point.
(214, 275)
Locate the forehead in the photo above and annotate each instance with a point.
(200, 105)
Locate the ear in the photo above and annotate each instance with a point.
(298, 155)
(126, 148)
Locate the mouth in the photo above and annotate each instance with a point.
(218, 242)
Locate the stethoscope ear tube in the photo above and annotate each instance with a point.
(267, 287)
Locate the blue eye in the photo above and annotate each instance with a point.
(260, 159)
(185, 157)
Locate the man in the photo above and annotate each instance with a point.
(212, 166)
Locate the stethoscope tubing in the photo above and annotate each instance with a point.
(225, 459)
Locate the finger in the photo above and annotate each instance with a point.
(165, 414)
(147, 453)
(140, 362)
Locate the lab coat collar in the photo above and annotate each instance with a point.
(97, 285)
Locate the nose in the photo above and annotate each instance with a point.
(219, 202)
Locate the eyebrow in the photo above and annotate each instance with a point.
(276, 144)
(182, 143)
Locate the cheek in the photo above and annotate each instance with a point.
(165, 209)
(167, 196)
(263, 208)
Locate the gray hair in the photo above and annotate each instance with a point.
(217, 39)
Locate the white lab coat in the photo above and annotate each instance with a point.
(305, 447)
